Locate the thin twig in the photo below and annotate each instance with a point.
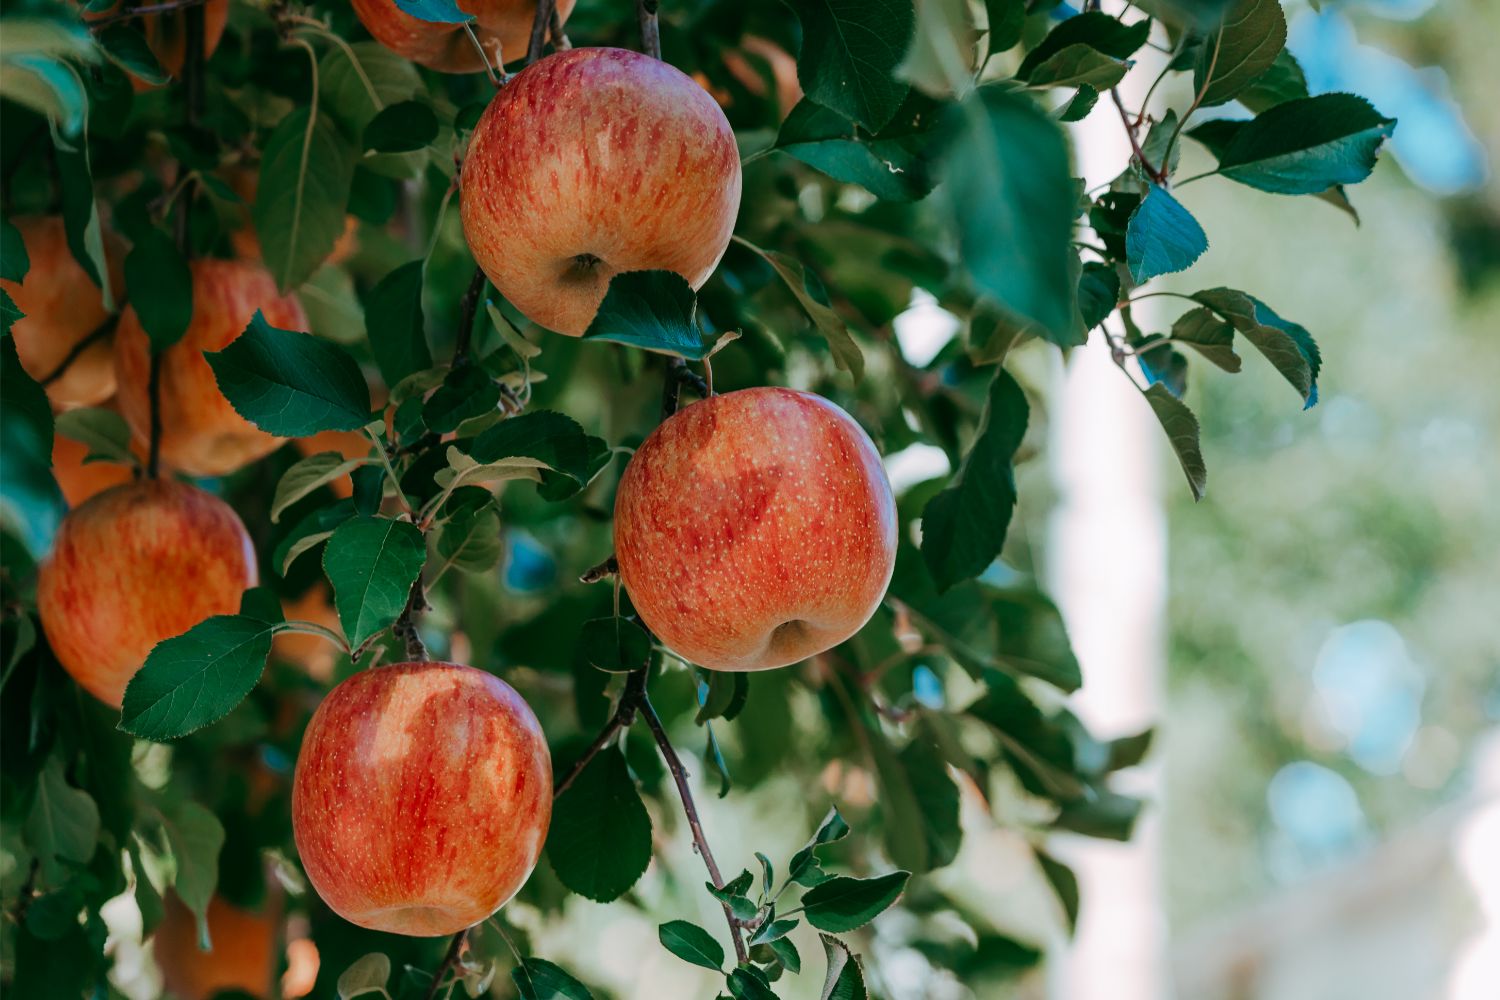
(624, 715)
(650, 31)
(594, 574)
(133, 12)
(450, 959)
(690, 809)
(1159, 176)
(469, 308)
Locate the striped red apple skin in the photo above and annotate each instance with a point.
(755, 529)
(421, 798)
(591, 162)
(134, 565)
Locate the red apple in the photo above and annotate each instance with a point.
(503, 27)
(755, 529)
(591, 162)
(421, 797)
(202, 434)
(132, 566)
(243, 956)
(63, 306)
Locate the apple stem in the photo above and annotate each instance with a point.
(450, 959)
(545, 9)
(405, 628)
(678, 375)
(650, 30)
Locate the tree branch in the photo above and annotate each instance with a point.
(1159, 176)
(469, 308)
(539, 25)
(630, 700)
(405, 628)
(450, 959)
(129, 13)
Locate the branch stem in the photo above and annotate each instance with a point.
(468, 309)
(129, 13)
(450, 959)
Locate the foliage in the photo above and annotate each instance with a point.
(926, 155)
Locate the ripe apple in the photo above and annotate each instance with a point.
(755, 529)
(132, 566)
(243, 955)
(63, 306)
(421, 797)
(503, 28)
(202, 434)
(79, 480)
(591, 162)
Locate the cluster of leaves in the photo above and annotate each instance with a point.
(927, 154)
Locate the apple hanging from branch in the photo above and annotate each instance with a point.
(503, 28)
(421, 798)
(755, 529)
(591, 162)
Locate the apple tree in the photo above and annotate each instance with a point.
(442, 448)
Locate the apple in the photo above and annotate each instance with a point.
(591, 162)
(80, 480)
(502, 26)
(421, 797)
(132, 566)
(755, 529)
(243, 956)
(63, 306)
(202, 434)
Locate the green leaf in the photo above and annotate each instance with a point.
(62, 825)
(1038, 749)
(845, 980)
(470, 540)
(435, 11)
(539, 979)
(1182, 431)
(306, 170)
(307, 475)
(401, 128)
(845, 904)
(894, 163)
(51, 87)
(1005, 18)
(1307, 146)
(1282, 81)
(1098, 293)
(1092, 29)
(367, 975)
(1078, 66)
(552, 438)
(197, 678)
(721, 695)
(1245, 45)
(1064, 883)
(161, 288)
(291, 384)
(614, 645)
(1010, 197)
(103, 432)
(467, 391)
(372, 563)
(394, 324)
(196, 838)
(1078, 108)
(850, 51)
(1164, 366)
(1162, 237)
(692, 944)
(361, 79)
(80, 210)
(749, 983)
(311, 531)
(129, 50)
(653, 310)
(846, 353)
(964, 526)
(26, 427)
(733, 895)
(14, 260)
(773, 930)
(1288, 346)
(599, 843)
(1203, 331)
(936, 798)
(9, 313)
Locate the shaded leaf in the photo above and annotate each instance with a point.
(196, 678)
(401, 128)
(844, 904)
(846, 353)
(372, 563)
(394, 324)
(62, 826)
(653, 310)
(1203, 331)
(692, 944)
(600, 840)
(1182, 432)
(845, 980)
(850, 51)
(539, 979)
(306, 170)
(1162, 237)
(196, 838)
(614, 645)
(1308, 145)
(1245, 45)
(367, 975)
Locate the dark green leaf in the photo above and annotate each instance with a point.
(195, 679)
(1010, 196)
(1282, 81)
(850, 51)
(161, 288)
(306, 476)
(435, 11)
(196, 837)
(14, 260)
(394, 324)
(1098, 293)
(1162, 237)
(80, 210)
(401, 128)
(1128, 751)
(1243, 47)
(1288, 346)
(721, 694)
(9, 313)
(467, 391)
(372, 563)
(844, 904)
(749, 983)
(311, 531)
(1078, 108)
(1038, 748)
(291, 384)
(547, 436)
(1159, 149)
(1064, 883)
(1005, 19)
(894, 163)
(734, 896)
(845, 980)
(963, 527)
(1078, 66)
(692, 943)
(1182, 431)
(1094, 30)
(846, 353)
(360, 79)
(1203, 331)
(652, 310)
(1107, 815)
(1308, 145)
(63, 824)
(773, 930)
(129, 49)
(470, 540)
(614, 645)
(600, 840)
(1165, 367)
(305, 174)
